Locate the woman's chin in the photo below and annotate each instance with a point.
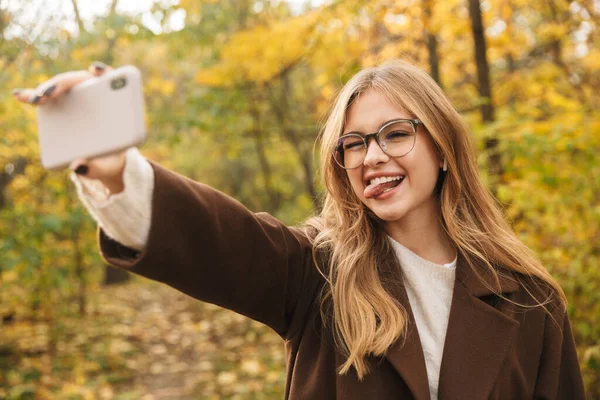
(389, 215)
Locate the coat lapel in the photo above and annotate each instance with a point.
(478, 335)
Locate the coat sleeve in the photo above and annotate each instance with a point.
(559, 376)
(209, 246)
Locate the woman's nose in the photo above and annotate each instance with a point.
(375, 154)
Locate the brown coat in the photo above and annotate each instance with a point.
(209, 246)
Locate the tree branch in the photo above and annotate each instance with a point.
(78, 17)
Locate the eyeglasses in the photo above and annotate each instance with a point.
(396, 138)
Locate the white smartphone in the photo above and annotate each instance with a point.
(99, 116)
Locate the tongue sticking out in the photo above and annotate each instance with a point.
(375, 190)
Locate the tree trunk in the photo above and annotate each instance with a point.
(79, 271)
(9, 172)
(274, 198)
(113, 276)
(483, 79)
(431, 40)
(557, 56)
(113, 8)
(110, 45)
(483, 70)
(78, 17)
(281, 107)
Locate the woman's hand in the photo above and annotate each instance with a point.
(107, 169)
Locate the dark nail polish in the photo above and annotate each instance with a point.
(16, 91)
(99, 65)
(36, 99)
(49, 91)
(81, 170)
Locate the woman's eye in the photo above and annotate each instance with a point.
(353, 145)
(396, 135)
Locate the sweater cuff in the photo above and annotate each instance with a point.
(125, 216)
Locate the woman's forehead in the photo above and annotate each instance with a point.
(370, 111)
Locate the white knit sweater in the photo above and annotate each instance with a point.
(126, 217)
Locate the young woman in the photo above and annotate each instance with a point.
(408, 285)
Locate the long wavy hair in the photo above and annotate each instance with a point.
(365, 317)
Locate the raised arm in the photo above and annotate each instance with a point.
(210, 246)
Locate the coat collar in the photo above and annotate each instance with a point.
(478, 280)
(478, 337)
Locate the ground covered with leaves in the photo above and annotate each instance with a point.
(141, 340)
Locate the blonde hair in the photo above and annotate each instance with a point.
(365, 317)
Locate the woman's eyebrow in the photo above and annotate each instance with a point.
(381, 126)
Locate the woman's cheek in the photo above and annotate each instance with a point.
(355, 178)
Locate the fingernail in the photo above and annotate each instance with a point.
(49, 91)
(99, 65)
(16, 91)
(81, 170)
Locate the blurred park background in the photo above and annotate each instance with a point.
(236, 91)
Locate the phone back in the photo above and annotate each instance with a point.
(99, 116)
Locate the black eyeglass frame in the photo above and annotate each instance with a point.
(366, 138)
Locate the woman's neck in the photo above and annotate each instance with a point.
(424, 236)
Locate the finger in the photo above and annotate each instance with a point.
(76, 163)
(100, 167)
(106, 166)
(53, 88)
(61, 84)
(98, 68)
(52, 92)
(36, 97)
(25, 95)
(44, 94)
